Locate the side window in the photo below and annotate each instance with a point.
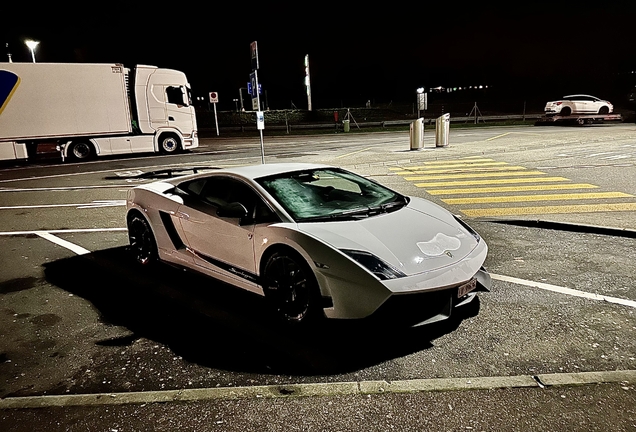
(191, 189)
(210, 193)
(175, 95)
(222, 191)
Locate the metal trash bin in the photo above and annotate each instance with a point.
(345, 125)
(442, 126)
(417, 134)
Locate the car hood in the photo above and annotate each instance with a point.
(411, 239)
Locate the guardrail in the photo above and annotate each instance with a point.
(377, 124)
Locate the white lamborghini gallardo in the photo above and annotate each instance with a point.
(315, 240)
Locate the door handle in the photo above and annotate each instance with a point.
(183, 215)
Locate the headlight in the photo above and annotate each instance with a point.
(375, 265)
(468, 228)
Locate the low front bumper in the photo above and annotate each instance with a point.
(417, 309)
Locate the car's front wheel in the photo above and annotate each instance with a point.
(291, 289)
(142, 241)
(603, 110)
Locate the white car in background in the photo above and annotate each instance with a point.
(578, 104)
(315, 240)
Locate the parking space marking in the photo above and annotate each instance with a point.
(64, 188)
(355, 152)
(94, 204)
(63, 231)
(564, 290)
(61, 242)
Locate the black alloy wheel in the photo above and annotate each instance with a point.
(291, 289)
(142, 242)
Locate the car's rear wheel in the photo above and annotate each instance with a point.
(566, 111)
(142, 241)
(291, 289)
(603, 110)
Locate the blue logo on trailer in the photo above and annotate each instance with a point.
(8, 83)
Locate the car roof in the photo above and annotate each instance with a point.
(251, 172)
(265, 170)
(578, 95)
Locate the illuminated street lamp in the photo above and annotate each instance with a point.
(32, 44)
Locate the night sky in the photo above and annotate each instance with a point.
(357, 53)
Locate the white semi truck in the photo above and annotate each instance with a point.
(86, 110)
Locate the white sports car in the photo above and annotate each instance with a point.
(315, 240)
(578, 104)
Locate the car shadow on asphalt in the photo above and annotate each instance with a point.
(216, 325)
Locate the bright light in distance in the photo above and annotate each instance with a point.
(31, 44)
(420, 90)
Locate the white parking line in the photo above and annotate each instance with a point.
(65, 188)
(63, 231)
(48, 235)
(58, 241)
(94, 204)
(564, 290)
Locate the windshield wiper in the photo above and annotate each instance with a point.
(393, 205)
(353, 214)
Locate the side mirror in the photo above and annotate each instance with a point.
(232, 210)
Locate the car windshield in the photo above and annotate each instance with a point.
(330, 194)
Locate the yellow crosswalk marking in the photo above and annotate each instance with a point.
(475, 175)
(472, 160)
(497, 189)
(516, 211)
(462, 170)
(528, 198)
(412, 170)
(492, 181)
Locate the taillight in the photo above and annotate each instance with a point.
(559, 103)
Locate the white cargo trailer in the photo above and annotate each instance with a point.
(89, 110)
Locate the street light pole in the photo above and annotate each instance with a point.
(32, 44)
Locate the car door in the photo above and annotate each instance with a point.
(588, 105)
(220, 243)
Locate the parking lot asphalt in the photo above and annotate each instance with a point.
(530, 358)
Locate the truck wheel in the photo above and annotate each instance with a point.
(81, 150)
(169, 144)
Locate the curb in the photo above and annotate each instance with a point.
(321, 389)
